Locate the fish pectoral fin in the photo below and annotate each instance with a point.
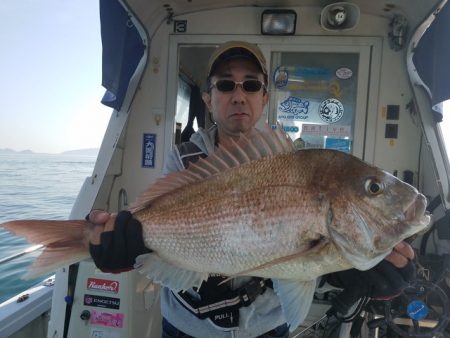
(295, 298)
(167, 274)
(314, 246)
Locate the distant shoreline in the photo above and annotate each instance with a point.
(76, 152)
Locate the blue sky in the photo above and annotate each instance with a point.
(50, 75)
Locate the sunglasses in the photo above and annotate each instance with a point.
(249, 86)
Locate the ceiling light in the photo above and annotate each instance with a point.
(278, 22)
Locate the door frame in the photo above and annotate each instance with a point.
(369, 69)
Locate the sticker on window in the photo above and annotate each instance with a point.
(338, 144)
(294, 108)
(344, 73)
(331, 110)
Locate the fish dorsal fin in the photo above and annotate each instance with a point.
(260, 144)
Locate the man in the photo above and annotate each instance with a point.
(236, 96)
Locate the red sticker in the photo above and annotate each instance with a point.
(102, 285)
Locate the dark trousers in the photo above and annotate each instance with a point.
(170, 331)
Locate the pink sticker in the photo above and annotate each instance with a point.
(107, 319)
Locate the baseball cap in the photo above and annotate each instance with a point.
(236, 50)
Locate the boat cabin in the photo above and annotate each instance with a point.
(364, 77)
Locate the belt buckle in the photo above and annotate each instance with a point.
(251, 290)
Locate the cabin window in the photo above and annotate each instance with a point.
(190, 109)
(445, 128)
(314, 95)
(182, 112)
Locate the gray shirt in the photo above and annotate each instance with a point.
(259, 317)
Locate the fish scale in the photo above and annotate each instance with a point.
(244, 214)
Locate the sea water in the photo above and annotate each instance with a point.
(34, 186)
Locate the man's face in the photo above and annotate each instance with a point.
(237, 111)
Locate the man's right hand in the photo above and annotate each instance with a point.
(115, 241)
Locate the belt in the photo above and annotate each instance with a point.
(223, 311)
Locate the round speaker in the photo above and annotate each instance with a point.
(339, 16)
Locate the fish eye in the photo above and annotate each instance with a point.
(373, 187)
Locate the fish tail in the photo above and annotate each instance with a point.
(65, 242)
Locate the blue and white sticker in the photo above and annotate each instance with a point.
(417, 310)
(280, 77)
(331, 110)
(295, 108)
(287, 129)
(148, 150)
(312, 73)
(291, 129)
(338, 144)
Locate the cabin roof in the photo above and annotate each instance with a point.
(157, 10)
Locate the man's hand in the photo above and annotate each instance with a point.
(401, 255)
(385, 280)
(115, 241)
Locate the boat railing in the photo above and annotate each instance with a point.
(24, 307)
